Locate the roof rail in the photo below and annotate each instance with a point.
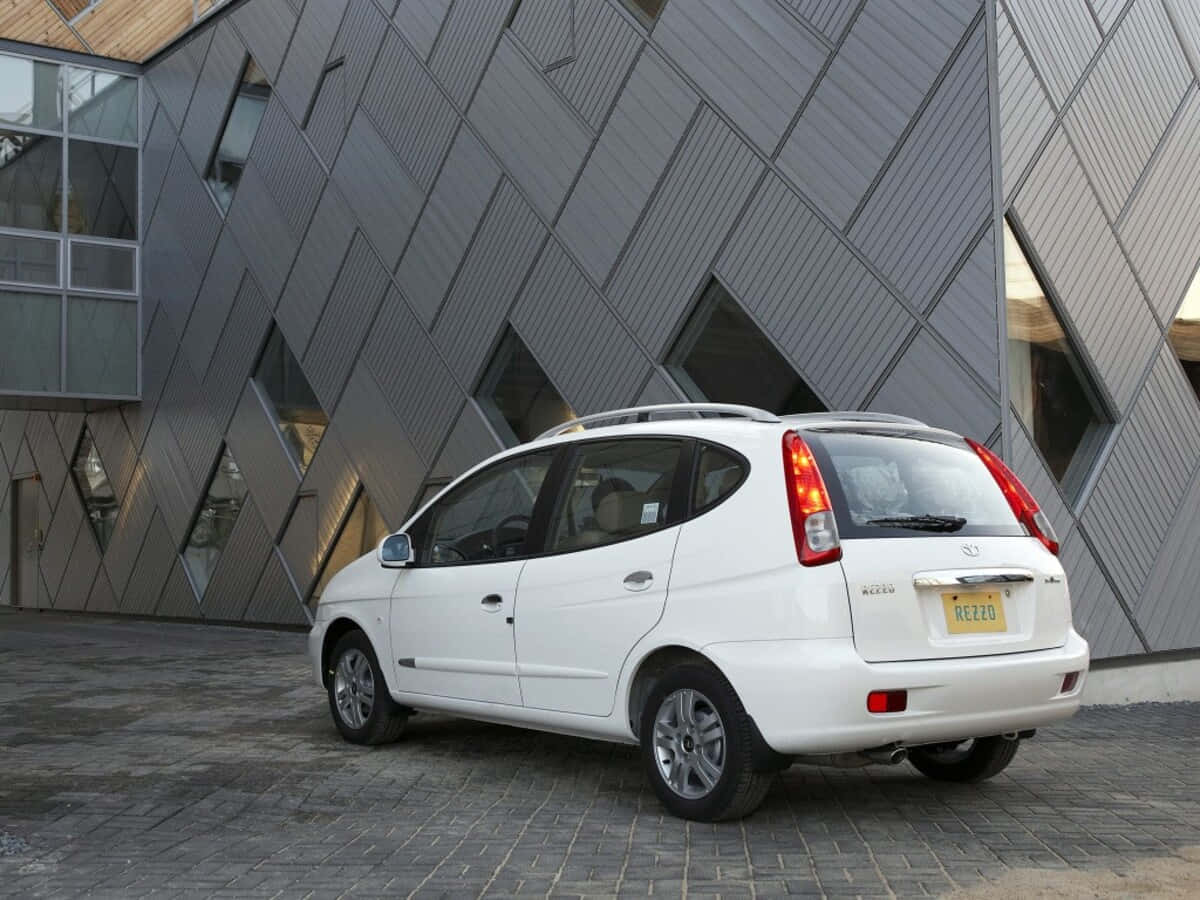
(854, 416)
(643, 414)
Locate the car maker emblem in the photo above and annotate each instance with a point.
(970, 549)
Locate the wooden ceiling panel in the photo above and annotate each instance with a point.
(34, 22)
(134, 29)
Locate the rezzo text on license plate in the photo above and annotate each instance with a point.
(972, 612)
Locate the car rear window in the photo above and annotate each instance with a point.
(905, 484)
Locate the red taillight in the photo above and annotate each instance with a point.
(1024, 507)
(887, 701)
(813, 525)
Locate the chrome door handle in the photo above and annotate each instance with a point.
(492, 602)
(638, 581)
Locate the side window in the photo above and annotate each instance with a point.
(486, 517)
(615, 490)
(717, 474)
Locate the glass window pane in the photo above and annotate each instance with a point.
(646, 10)
(30, 335)
(1047, 385)
(95, 489)
(717, 474)
(618, 490)
(238, 134)
(102, 105)
(301, 420)
(517, 396)
(30, 181)
(722, 356)
(102, 267)
(102, 341)
(486, 517)
(31, 260)
(361, 534)
(29, 93)
(1185, 334)
(214, 523)
(103, 195)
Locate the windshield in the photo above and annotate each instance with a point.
(905, 484)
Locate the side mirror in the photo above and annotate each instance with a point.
(395, 551)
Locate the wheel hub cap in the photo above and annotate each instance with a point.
(354, 688)
(689, 743)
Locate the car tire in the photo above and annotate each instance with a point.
(362, 708)
(981, 759)
(693, 776)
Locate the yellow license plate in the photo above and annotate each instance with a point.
(972, 612)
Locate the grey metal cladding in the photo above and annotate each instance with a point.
(262, 230)
(919, 219)
(164, 470)
(464, 45)
(174, 76)
(832, 317)
(290, 171)
(60, 537)
(1097, 614)
(115, 446)
(80, 573)
(330, 115)
(331, 481)
(1025, 460)
(1061, 36)
(274, 599)
(401, 356)
(1161, 227)
(546, 28)
(451, 215)
(150, 571)
(387, 462)
(170, 279)
(1149, 470)
(1185, 16)
(132, 521)
(605, 47)
(190, 208)
(300, 73)
(630, 156)
(160, 143)
(158, 353)
(930, 384)
(185, 409)
(178, 600)
(966, 313)
(881, 73)
(827, 16)
(420, 21)
(410, 110)
(47, 454)
(357, 42)
(1122, 110)
(12, 433)
(101, 599)
(67, 426)
(659, 389)
(381, 194)
(237, 351)
(1069, 233)
(497, 262)
(266, 26)
(576, 338)
(1169, 619)
(752, 58)
(540, 140)
(255, 443)
(471, 441)
(1025, 113)
(675, 244)
(215, 87)
(1107, 11)
(233, 581)
(213, 302)
(298, 545)
(343, 326)
(316, 269)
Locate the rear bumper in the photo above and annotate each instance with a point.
(811, 696)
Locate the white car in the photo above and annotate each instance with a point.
(729, 589)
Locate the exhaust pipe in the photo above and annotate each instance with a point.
(890, 755)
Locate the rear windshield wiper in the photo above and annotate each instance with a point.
(921, 523)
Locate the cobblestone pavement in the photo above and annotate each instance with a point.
(177, 760)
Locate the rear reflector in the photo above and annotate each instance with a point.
(813, 525)
(1069, 681)
(1024, 507)
(887, 701)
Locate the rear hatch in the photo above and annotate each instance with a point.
(936, 562)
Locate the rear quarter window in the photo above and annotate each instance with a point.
(905, 484)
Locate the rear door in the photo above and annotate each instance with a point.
(936, 563)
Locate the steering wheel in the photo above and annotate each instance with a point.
(515, 517)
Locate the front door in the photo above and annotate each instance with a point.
(27, 543)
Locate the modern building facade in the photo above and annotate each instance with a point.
(377, 241)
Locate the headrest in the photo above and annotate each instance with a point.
(619, 512)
